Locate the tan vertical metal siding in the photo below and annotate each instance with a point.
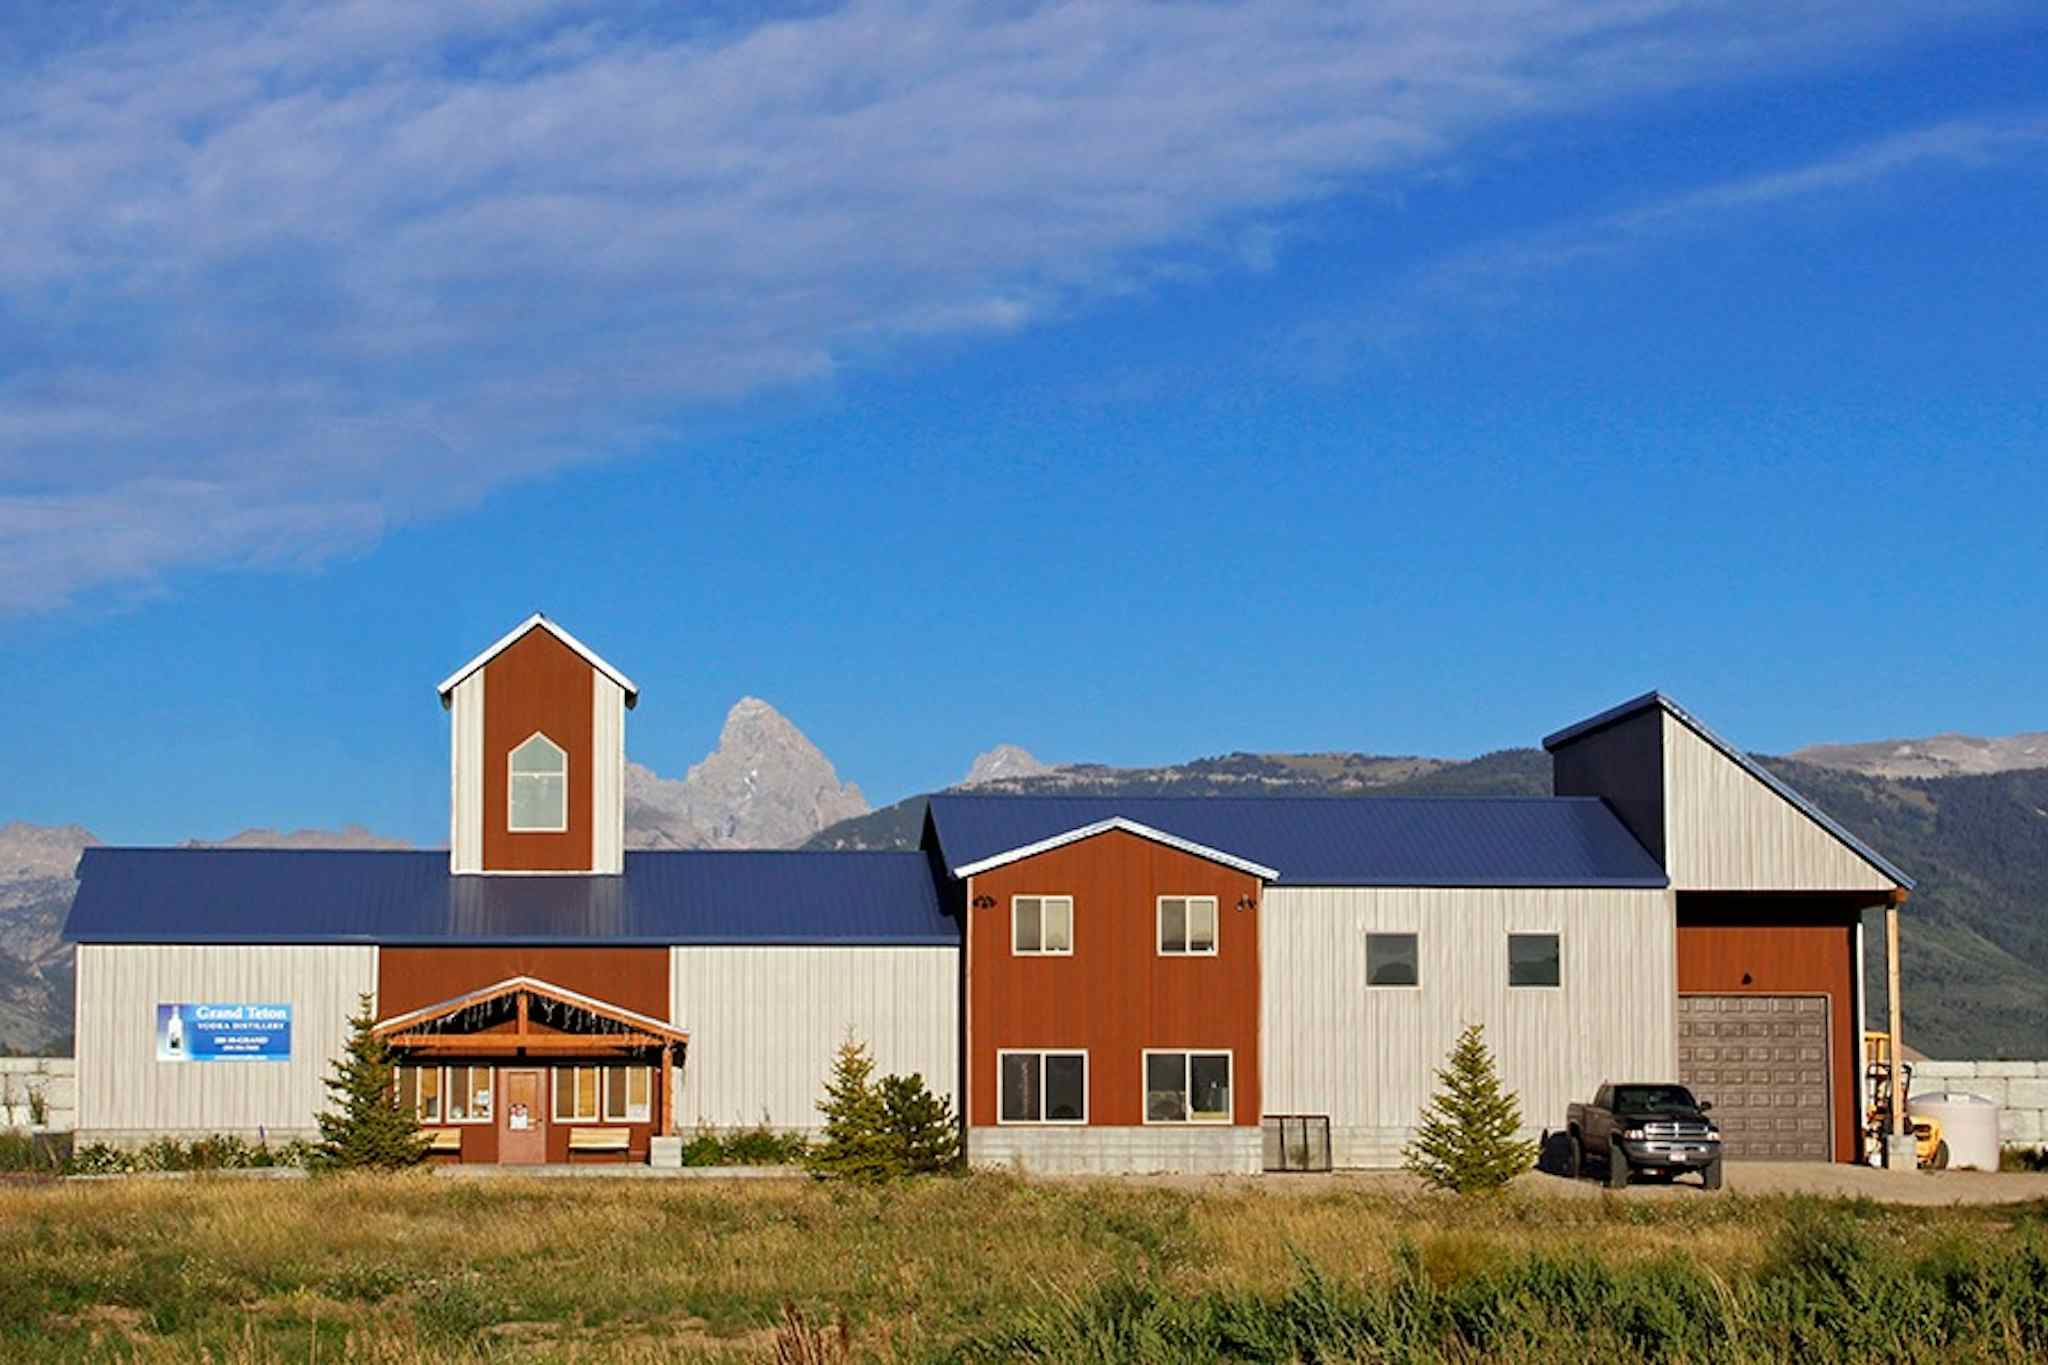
(1726, 831)
(765, 1022)
(1368, 1057)
(124, 1091)
(607, 775)
(466, 775)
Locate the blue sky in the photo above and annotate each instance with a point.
(1129, 382)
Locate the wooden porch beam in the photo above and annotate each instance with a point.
(1891, 976)
(505, 1044)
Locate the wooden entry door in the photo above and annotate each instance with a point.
(522, 1120)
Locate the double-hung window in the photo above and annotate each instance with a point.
(1187, 1087)
(1187, 925)
(1042, 926)
(626, 1094)
(1042, 1087)
(537, 790)
(576, 1094)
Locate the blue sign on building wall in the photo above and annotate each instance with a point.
(223, 1033)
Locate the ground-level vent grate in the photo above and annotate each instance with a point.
(1297, 1142)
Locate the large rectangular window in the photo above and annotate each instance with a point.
(1042, 925)
(1187, 1087)
(1187, 924)
(1392, 960)
(1042, 1087)
(617, 1094)
(446, 1094)
(1535, 960)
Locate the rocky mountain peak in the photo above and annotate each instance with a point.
(765, 786)
(1943, 755)
(1003, 762)
(41, 852)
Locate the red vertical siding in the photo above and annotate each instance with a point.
(1116, 995)
(1782, 945)
(537, 683)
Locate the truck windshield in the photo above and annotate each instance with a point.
(1653, 1099)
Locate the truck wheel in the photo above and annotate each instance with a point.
(1939, 1161)
(1617, 1166)
(1574, 1158)
(1711, 1175)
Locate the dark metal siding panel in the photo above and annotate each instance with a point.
(1339, 841)
(355, 896)
(1625, 764)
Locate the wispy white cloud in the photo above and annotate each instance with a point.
(274, 279)
(1468, 286)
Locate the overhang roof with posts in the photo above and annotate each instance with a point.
(439, 1026)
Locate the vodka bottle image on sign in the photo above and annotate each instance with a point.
(174, 1033)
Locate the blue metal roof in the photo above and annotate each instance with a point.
(1634, 706)
(219, 895)
(1337, 841)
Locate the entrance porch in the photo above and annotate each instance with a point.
(525, 1072)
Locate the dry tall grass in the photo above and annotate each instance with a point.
(410, 1268)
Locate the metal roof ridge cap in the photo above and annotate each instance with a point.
(1115, 822)
(1786, 791)
(512, 636)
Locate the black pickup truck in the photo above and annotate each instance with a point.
(1644, 1129)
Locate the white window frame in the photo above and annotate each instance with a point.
(1187, 1056)
(1041, 951)
(1215, 927)
(1042, 1053)
(468, 1095)
(604, 1096)
(512, 776)
(1366, 949)
(1534, 933)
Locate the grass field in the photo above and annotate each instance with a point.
(411, 1268)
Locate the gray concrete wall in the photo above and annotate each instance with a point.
(1079, 1150)
(53, 1079)
(2021, 1088)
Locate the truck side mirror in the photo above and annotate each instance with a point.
(1705, 1105)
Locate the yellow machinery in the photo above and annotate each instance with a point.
(1929, 1148)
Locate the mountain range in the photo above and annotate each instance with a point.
(1967, 817)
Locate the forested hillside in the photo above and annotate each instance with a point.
(1974, 949)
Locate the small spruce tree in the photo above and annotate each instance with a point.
(1466, 1142)
(923, 1135)
(856, 1145)
(364, 1126)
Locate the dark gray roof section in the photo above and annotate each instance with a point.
(1337, 841)
(210, 895)
(1748, 764)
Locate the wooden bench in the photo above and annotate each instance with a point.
(444, 1142)
(598, 1140)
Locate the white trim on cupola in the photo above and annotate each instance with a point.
(512, 636)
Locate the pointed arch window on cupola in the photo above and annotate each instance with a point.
(538, 793)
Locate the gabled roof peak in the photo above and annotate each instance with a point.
(538, 621)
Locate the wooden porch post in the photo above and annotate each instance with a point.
(668, 1085)
(1891, 970)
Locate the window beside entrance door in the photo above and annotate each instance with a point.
(445, 1094)
(615, 1094)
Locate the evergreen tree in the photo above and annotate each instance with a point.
(1466, 1142)
(856, 1145)
(364, 1125)
(923, 1135)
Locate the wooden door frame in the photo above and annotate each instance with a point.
(539, 1118)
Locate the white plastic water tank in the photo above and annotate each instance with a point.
(1969, 1125)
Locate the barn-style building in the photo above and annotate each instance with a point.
(1099, 984)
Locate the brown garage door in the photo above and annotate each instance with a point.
(1763, 1061)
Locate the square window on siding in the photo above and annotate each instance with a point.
(1392, 960)
(1187, 924)
(626, 1093)
(1535, 960)
(1041, 925)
